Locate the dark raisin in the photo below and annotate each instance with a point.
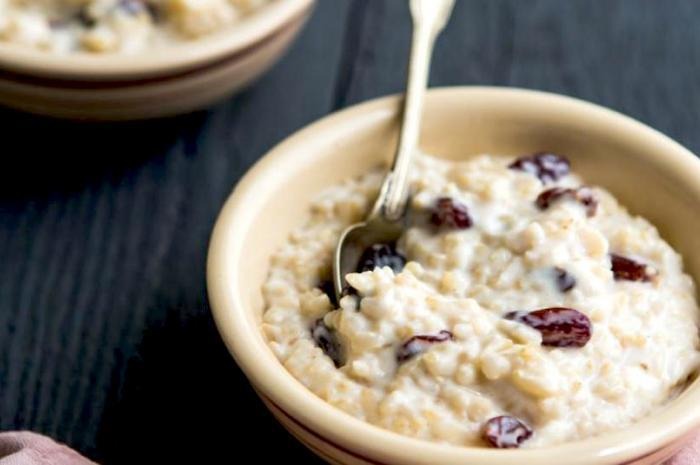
(156, 14)
(450, 213)
(85, 18)
(379, 256)
(327, 340)
(583, 195)
(548, 167)
(565, 281)
(626, 269)
(559, 326)
(505, 432)
(421, 343)
(549, 196)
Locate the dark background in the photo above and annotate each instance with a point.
(106, 340)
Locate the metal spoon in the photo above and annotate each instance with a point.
(385, 223)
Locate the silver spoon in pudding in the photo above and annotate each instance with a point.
(386, 221)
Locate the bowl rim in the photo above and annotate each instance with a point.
(246, 34)
(274, 382)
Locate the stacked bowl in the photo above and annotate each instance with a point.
(155, 83)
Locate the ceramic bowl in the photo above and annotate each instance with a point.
(651, 174)
(151, 84)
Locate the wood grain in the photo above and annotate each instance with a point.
(106, 341)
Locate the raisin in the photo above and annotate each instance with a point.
(327, 340)
(583, 195)
(379, 256)
(421, 343)
(85, 18)
(626, 269)
(548, 167)
(565, 281)
(549, 196)
(559, 326)
(450, 213)
(505, 432)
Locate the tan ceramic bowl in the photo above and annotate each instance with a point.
(648, 172)
(152, 84)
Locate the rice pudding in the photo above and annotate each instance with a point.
(520, 308)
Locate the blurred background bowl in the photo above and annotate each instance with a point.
(155, 83)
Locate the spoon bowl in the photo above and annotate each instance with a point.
(356, 239)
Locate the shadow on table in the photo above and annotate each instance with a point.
(44, 157)
(185, 401)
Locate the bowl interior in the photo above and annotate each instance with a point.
(650, 174)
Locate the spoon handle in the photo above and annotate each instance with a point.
(429, 18)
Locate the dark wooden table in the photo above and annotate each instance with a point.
(106, 340)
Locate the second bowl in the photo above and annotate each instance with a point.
(154, 83)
